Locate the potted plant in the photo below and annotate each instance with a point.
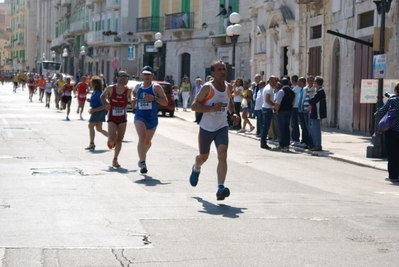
(48, 40)
(117, 39)
(129, 33)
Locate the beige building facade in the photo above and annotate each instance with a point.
(5, 30)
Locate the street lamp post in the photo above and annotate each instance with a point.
(53, 55)
(158, 45)
(65, 56)
(234, 31)
(376, 149)
(43, 56)
(83, 53)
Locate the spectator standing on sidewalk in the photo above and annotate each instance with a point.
(176, 96)
(185, 90)
(247, 95)
(238, 89)
(255, 89)
(267, 110)
(318, 112)
(197, 87)
(295, 117)
(303, 103)
(283, 109)
(392, 137)
(258, 108)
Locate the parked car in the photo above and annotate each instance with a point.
(170, 108)
(66, 75)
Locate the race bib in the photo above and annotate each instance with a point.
(30, 84)
(67, 93)
(82, 95)
(118, 111)
(144, 104)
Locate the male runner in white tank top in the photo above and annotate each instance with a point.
(214, 101)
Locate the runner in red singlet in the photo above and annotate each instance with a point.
(41, 83)
(66, 99)
(82, 90)
(118, 95)
(31, 86)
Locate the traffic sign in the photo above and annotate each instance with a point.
(90, 60)
(379, 66)
(115, 64)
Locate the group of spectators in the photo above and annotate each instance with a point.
(280, 106)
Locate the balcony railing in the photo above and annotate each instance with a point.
(79, 26)
(58, 41)
(182, 20)
(95, 37)
(149, 24)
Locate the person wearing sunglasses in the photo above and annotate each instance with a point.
(146, 97)
(117, 95)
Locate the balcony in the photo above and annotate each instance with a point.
(8, 29)
(65, 2)
(148, 26)
(113, 4)
(79, 27)
(95, 38)
(96, 1)
(179, 23)
(68, 36)
(57, 42)
(20, 26)
(121, 39)
(19, 43)
(305, 1)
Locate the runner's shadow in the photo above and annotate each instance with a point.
(149, 181)
(118, 170)
(100, 151)
(221, 209)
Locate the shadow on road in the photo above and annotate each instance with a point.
(149, 181)
(221, 209)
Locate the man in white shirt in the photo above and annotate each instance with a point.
(258, 108)
(294, 116)
(267, 110)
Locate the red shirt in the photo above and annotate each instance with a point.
(82, 91)
(67, 90)
(118, 103)
(31, 83)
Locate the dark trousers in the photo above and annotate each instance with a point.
(283, 118)
(392, 150)
(259, 121)
(295, 125)
(304, 121)
(267, 119)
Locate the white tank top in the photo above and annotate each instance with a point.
(213, 121)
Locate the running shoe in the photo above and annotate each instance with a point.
(194, 176)
(251, 128)
(222, 193)
(67, 118)
(143, 167)
(77, 111)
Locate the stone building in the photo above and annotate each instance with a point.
(17, 47)
(290, 37)
(5, 29)
(192, 38)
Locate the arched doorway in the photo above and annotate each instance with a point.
(185, 66)
(335, 85)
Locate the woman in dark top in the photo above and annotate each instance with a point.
(391, 137)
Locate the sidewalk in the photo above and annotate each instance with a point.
(337, 144)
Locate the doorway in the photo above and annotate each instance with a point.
(185, 66)
(336, 85)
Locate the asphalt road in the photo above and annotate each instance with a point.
(61, 205)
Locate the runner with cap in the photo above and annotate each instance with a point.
(146, 97)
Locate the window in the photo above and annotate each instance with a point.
(316, 32)
(366, 19)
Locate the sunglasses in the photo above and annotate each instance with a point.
(123, 75)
